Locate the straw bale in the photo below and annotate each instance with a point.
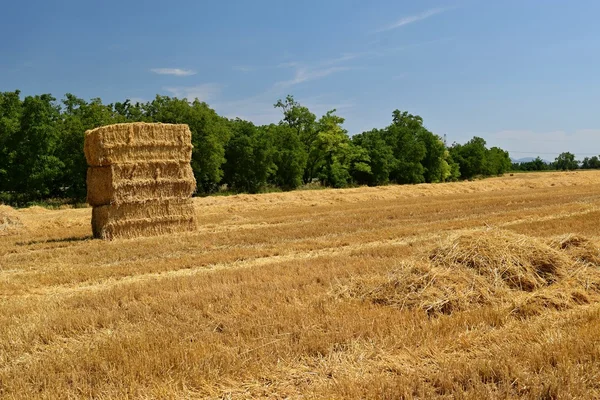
(143, 219)
(140, 180)
(124, 183)
(134, 142)
(150, 170)
(127, 229)
(143, 210)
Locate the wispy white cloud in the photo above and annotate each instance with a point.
(324, 68)
(344, 57)
(305, 74)
(173, 71)
(204, 92)
(412, 18)
(309, 72)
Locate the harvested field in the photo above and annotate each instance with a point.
(485, 289)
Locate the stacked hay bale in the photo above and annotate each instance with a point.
(139, 179)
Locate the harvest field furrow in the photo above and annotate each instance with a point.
(56, 273)
(483, 289)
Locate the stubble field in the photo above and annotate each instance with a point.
(485, 289)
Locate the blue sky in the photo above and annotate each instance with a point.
(524, 75)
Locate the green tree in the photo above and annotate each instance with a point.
(453, 166)
(130, 112)
(289, 156)
(303, 122)
(534, 165)
(591, 163)
(77, 117)
(435, 162)
(538, 164)
(403, 136)
(566, 161)
(36, 169)
(210, 133)
(380, 158)
(11, 109)
(332, 155)
(497, 161)
(359, 160)
(249, 155)
(470, 157)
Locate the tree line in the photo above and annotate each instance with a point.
(41, 148)
(564, 162)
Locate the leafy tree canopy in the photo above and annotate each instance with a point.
(41, 148)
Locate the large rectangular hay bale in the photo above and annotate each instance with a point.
(134, 142)
(139, 179)
(143, 219)
(129, 229)
(143, 210)
(124, 183)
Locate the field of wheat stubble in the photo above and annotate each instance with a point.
(484, 289)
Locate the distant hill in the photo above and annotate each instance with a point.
(526, 159)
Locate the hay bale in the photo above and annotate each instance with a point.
(140, 180)
(116, 184)
(130, 143)
(144, 210)
(127, 229)
(149, 170)
(143, 219)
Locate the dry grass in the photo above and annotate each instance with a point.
(499, 268)
(9, 220)
(477, 290)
